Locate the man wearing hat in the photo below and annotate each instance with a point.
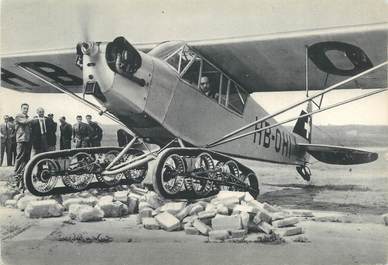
(66, 133)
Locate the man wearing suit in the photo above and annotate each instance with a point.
(96, 137)
(23, 142)
(39, 129)
(7, 131)
(81, 133)
(51, 132)
(66, 133)
(11, 122)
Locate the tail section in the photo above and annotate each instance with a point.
(303, 126)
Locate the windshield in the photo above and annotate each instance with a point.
(165, 49)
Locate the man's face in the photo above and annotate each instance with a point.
(79, 119)
(40, 113)
(205, 85)
(61, 121)
(5, 118)
(24, 109)
(88, 119)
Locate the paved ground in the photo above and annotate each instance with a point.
(351, 198)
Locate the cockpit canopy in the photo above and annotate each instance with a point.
(202, 74)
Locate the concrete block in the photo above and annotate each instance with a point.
(206, 214)
(263, 215)
(113, 209)
(244, 219)
(121, 196)
(153, 199)
(43, 209)
(216, 235)
(224, 222)
(253, 227)
(143, 205)
(106, 198)
(190, 230)
(6, 194)
(201, 227)
(150, 223)
(133, 204)
(256, 204)
(10, 203)
(230, 203)
(74, 210)
(144, 213)
(244, 208)
(196, 209)
(240, 233)
(173, 207)
(91, 201)
(24, 201)
(18, 196)
(90, 214)
(385, 218)
(290, 231)
(210, 207)
(189, 219)
(285, 222)
(168, 221)
(222, 209)
(265, 227)
(184, 212)
(138, 190)
(223, 195)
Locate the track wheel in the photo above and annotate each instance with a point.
(136, 174)
(79, 172)
(169, 177)
(43, 177)
(229, 173)
(252, 182)
(203, 163)
(110, 180)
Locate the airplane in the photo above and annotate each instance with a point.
(192, 100)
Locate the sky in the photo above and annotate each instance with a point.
(31, 25)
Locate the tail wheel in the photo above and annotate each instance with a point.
(169, 175)
(81, 166)
(110, 180)
(43, 176)
(204, 162)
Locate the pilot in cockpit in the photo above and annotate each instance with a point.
(206, 89)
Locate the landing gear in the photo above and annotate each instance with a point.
(304, 172)
(195, 173)
(79, 174)
(44, 177)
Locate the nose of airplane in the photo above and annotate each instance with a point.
(122, 57)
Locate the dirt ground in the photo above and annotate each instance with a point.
(347, 228)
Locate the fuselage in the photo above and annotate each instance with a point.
(169, 103)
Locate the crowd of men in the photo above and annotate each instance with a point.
(24, 135)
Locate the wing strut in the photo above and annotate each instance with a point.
(76, 97)
(229, 137)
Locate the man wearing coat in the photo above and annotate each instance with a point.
(96, 137)
(39, 129)
(66, 133)
(81, 133)
(51, 132)
(7, 132)
(23, 142)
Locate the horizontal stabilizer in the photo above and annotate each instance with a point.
(338, 155)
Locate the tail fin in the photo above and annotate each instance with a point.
(303, 126)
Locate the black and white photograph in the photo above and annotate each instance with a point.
(196, 132)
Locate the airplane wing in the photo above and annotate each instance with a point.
(338, 155)
(56, 65)
(277, 62)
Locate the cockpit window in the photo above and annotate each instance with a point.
(205, 77)
(237, 97)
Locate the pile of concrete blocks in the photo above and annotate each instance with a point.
(228, 216)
